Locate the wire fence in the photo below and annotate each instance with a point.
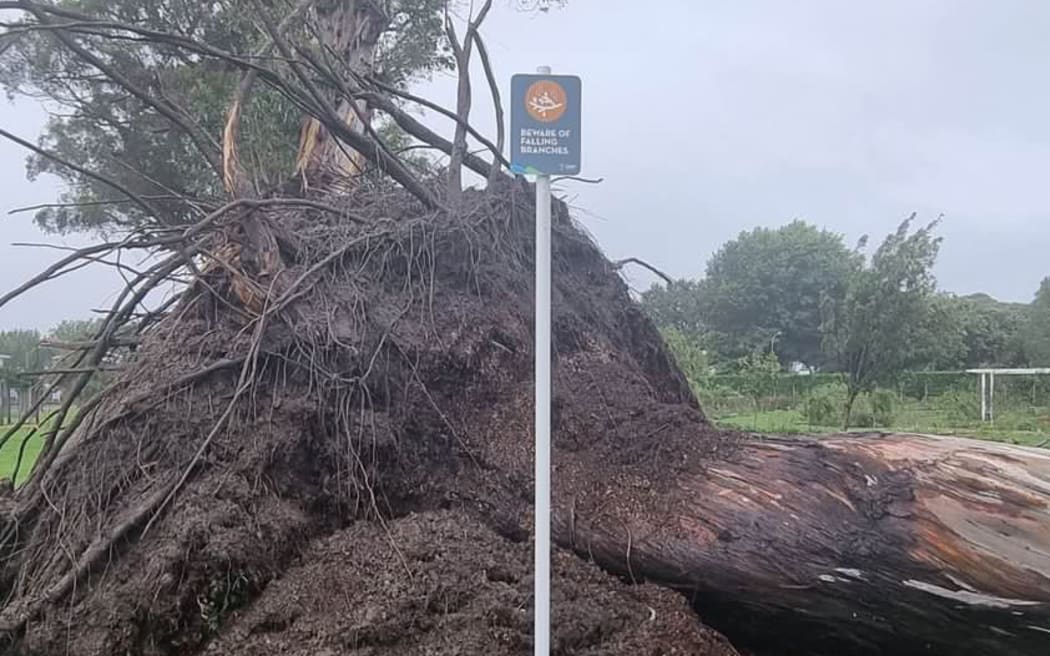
(938, 401)
(16, 398)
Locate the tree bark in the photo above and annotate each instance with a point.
(351, 30)
(864, 544)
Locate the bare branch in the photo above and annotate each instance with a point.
(92, 203)
(73, 370)
(85, 345)
(425, 134)
(619, 264)
(463, 98)
(135, 198)
(576, 178)
(393, 110)
(497, 104)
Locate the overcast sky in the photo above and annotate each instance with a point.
(709, 118)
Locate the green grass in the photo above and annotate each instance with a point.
(794, 422)
(9, 453)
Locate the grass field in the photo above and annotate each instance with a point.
(9, 453)
(794, 422)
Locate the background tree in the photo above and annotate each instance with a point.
(689, 354)
(942, 333)
(759, 371)
(677, 306)
(769, 284)
(23, 347)
(1036, 329)
(163, 141)
(983, 331)
(884, 322)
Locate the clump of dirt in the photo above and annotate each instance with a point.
(388, 371)
(443, 583)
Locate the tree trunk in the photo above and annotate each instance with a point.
(847, 414)
(864, 544)
(349, 29)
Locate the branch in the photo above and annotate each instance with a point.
(135, 198)
(391, 108)
(463, 99)
(73, 370)
(199, 138)
(57, 269)
(94, 203)
(86, 345)
(298, 96)
(619, 264)
(423, 133)
(121, 311)
(497, 104)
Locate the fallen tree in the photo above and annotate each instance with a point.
(346, 378)
(396, 380)
(852, 544)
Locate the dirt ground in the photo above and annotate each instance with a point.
(442, 583)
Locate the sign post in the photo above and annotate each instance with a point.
(545, 139)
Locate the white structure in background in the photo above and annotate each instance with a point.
(987, 386)
(5, 394)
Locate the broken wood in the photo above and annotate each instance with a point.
(350, 30)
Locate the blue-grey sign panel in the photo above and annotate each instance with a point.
(545, 124)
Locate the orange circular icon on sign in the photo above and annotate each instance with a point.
(546, 101)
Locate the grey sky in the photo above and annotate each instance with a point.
(730, 115)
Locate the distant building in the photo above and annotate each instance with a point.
(3, 359)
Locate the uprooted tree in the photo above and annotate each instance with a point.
(322, 441)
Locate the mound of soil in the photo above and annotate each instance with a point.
(253, 451)
(443, 583)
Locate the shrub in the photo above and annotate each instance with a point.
(882, 407)
(688, 354)
(824, 405)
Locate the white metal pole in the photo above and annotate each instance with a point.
(543, 413)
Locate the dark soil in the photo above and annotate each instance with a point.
(443, 583)
(396, 381)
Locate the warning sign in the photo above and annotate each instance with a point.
(545, 124)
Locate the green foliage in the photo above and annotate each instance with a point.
(759, 372)
(767, 286)
(992, 332)
(883, 406)
(23, 347)
(101, 126)
(1036, 330)
(677, 307)
(27, 354)
(823, 405)
(76, 330)
(690, 357)
(887, 320)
